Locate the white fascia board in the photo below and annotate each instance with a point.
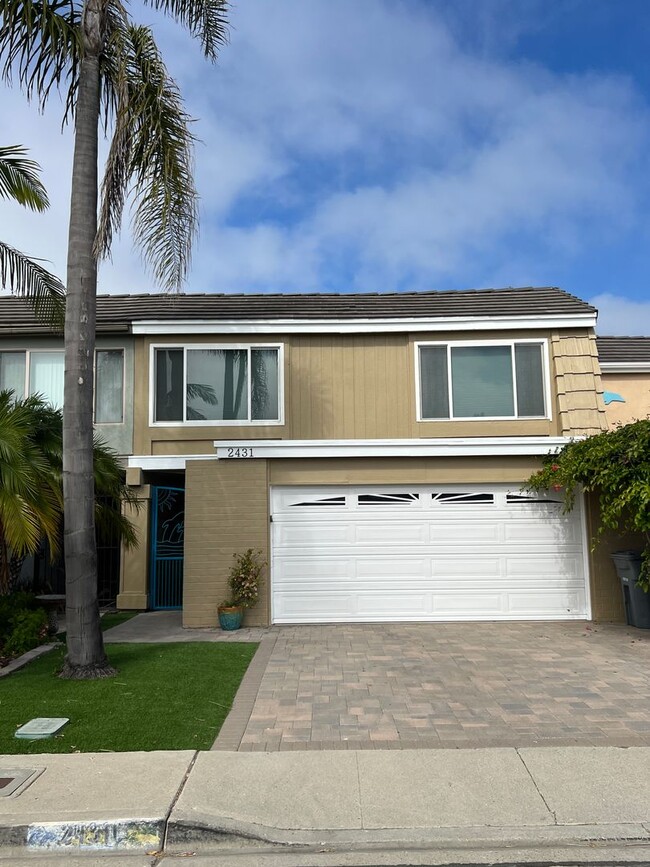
(357, 326)
(165, 462)
(439, 447)
(625, 366)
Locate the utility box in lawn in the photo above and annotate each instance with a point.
(636, 601)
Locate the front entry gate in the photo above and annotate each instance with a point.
(167, 537)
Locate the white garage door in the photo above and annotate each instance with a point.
(424, 553)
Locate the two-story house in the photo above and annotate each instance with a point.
(372, 446)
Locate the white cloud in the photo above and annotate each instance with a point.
(367, 146)
(620, 316)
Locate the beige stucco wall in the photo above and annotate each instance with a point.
(606, 594)
(226, 512)
(635, 388)
(363, 386)
(134, 571)
(408, 471)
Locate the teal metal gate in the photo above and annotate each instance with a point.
(167, 536)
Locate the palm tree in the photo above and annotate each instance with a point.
(31, 494)
(113, 73)
(30, 502)
(21, 275)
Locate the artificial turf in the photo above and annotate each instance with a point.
(164, 697)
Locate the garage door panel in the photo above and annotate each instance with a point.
(451, 531)
(396, 533)
(547, 566)
(486, 604)
(314, 568)
(545, 602)
(560, 530)
(296, 536)
(423, 554)
(398, 570)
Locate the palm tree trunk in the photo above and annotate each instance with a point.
(86, 657)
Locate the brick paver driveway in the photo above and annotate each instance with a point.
(451, 685)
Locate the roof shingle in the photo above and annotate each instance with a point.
(117, 312)
(624, 349)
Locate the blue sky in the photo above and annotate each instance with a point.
(380, 145)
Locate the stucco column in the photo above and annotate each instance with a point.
(226, 512)
(134, 570)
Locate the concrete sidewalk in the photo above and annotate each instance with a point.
(566, 800)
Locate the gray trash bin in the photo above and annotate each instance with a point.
(637, 602)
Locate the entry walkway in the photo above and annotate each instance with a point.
(166, 627)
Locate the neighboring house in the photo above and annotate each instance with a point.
(32, 362)
(625, 366)
(373, 446)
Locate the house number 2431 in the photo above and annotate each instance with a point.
(240, 453)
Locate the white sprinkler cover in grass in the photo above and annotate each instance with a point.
(41, 727)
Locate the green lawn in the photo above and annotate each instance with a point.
(164, 697)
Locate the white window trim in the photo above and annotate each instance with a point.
(110, 423)
(213, 422)
(470, 343)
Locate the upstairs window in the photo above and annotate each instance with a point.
(487, 380)
(36, 371)
(217, 385)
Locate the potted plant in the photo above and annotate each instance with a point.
(243, 580)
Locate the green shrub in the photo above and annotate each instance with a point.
(23, 625)
(615, 465)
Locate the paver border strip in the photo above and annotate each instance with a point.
(234, 726)
(26, 657)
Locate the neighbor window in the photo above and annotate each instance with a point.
(222, 385)
(109, 386)
(36, 371)
(492, 380)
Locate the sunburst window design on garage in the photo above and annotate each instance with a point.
(323, 501)
(387, 499)
(514, 499)
(463, 499)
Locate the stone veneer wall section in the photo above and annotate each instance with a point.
(578, 386)
(226, 512)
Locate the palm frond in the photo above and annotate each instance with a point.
(206, 20)
(19, 179)
(24, 276)
(153, 151)
(40, 45)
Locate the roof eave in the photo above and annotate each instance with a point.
(359, 325)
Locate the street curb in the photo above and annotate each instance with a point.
(95, 835)
(213, 833)
(130, 834)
